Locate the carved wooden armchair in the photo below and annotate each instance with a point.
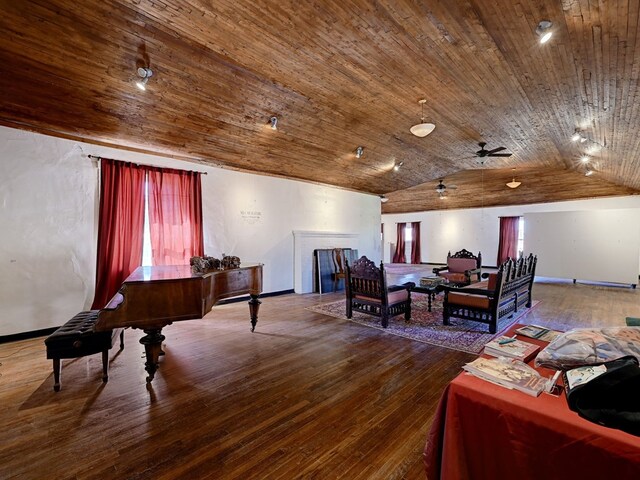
(461, 267)
(367, 292)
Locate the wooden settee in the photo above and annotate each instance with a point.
(501, 295)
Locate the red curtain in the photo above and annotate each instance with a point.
(120, 226)
(508, 246)
(415, 242)
(398, 256)
(175, 216)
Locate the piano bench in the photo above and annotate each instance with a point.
(77, 338)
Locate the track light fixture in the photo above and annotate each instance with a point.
(359, 152)
(274, 122)
(544, 30)
(397, 166)
(144, 73)
(589, 172)
(578, 136)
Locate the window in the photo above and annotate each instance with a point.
(521, 236)
(146, 242)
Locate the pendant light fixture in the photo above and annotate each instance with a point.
(422, 129)
(513, 183)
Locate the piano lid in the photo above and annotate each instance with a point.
(173, 272)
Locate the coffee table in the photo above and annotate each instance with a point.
(430, 290)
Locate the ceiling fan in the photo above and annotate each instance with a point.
(491, 153)
(441, 188)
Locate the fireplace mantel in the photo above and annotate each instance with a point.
(304, 243)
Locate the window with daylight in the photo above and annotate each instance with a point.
(148, 216)
(521, 236)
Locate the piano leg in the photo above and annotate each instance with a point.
(152, 342)
(254, 305)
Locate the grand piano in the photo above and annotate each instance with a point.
(153, 297)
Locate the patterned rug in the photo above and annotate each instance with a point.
(427, 327)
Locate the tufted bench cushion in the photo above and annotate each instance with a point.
(77, 338)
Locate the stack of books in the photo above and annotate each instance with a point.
(511, 348)
(538, 332)
(432, 281)
(508, 373)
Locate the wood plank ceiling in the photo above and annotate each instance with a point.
(339, 74)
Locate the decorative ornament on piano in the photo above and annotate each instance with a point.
(230, 262)
(207, 264)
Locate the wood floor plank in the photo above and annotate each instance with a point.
(305, 396)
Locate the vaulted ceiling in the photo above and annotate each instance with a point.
(338, 75)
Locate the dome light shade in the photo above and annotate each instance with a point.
(423, 128)
(513, 183)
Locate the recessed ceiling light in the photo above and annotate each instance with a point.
(584, 159)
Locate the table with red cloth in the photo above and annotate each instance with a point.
(484, 431)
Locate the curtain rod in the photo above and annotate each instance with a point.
(144, 165)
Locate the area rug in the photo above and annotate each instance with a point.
(427, 327)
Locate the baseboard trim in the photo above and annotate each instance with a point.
(48, 331)
(27, 335)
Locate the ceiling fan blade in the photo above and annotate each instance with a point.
(500, 154)
(496, 150)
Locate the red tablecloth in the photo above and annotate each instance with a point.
(484, 431)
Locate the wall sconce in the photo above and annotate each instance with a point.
(144, 73)
(383, 199)
(397, 166)
(274, 122)
(359, 152)
(544, 30)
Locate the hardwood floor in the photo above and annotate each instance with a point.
(305, 396)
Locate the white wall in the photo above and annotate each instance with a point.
(597, 245)
(48, 219)
(478, 229)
